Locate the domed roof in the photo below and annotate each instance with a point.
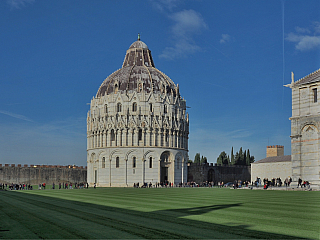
(138, 73)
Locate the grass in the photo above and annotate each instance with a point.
(159, 213)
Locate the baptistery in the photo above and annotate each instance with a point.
(137, 126)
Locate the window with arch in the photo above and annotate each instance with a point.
(119, 106)
(134, 162)
(113, 136)
(165, 108)
(117, 162)
(140, 87)
(140, 134)
(105, 108)
(150, 162)
(103, 162)
(134, 107)
(150, 107)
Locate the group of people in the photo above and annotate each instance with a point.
(42, 186)
(276, 182)
(15, 186)
(303, 183)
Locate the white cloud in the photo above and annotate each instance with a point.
(161, 5)
(302, 30)
(225, 38)
(18, 116)
(187, 23)
(18, 3)
(305, 39)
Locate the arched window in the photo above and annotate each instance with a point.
(134, 107)
(117, 162)
(150, 105)
(113, 136)
(105, 108)
(140, 87)
(140, 134)
(116, 88)
(150, 162)
(103, 162)
(119, 107)
(165, 108)
(134, 162)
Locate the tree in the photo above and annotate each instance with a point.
(248, 158)
(232, 157)
(203, 160)
(197, 158)
(222, 159)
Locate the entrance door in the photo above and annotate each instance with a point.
(164, 174)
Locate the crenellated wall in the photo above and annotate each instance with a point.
(208, 172)
(35, 174)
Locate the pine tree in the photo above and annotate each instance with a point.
(244, 158)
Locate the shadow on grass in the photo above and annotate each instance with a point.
(36, 216)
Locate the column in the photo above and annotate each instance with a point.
(144, 137)
(161, 138)
(159, 171)
(118, 138)
(130, 133)
(182, 168)
(110, 173)
(148, 137)
(106, 138)
(102, 138)
(136, 137)
(154, 137)
(109, 138)
(101, 141)
(143, 171)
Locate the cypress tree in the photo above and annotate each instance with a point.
(248, 158)
(232, 157)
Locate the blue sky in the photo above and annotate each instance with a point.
(230, 58)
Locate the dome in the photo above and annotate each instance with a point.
(138, 73)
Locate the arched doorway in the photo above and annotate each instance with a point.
(165, 166)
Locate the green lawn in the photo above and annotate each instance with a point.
(159, 213)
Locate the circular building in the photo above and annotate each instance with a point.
(137, 126)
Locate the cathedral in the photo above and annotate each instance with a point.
(305, 125)
(137, 126)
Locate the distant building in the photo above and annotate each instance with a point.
(305, 125)
(275, 165)
(137, 126)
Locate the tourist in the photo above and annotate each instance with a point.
(299, 182)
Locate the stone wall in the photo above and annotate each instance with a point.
(271, 170)
(208, 172)
(35, 174)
